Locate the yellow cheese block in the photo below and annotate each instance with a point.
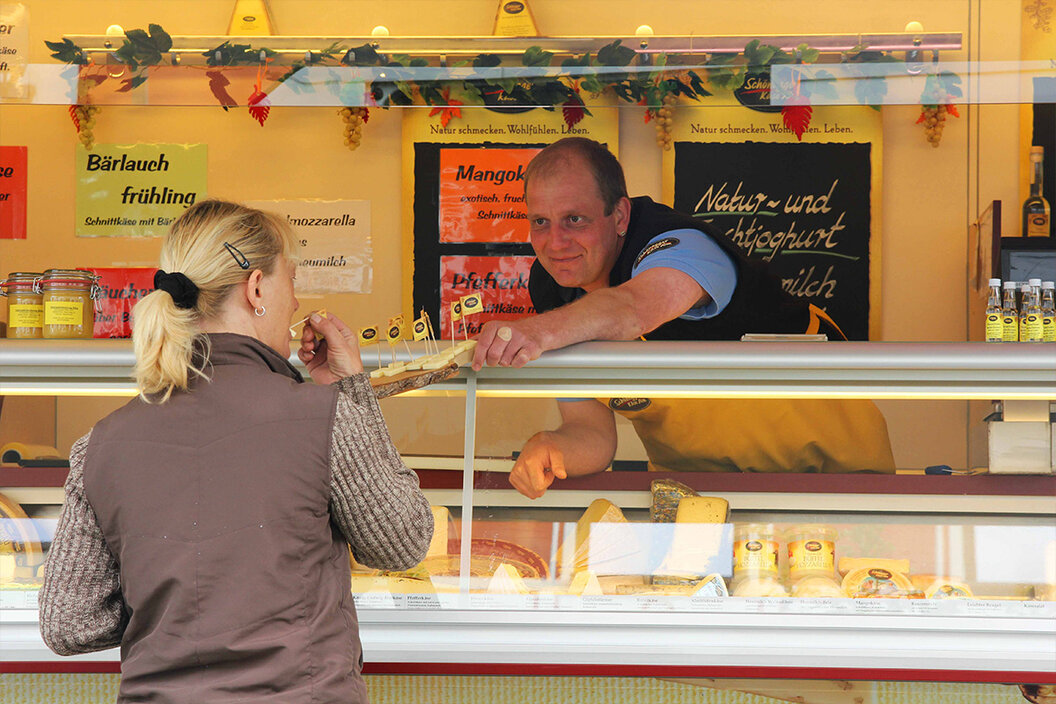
(702, 509)
(507, 580)
(585, 583)
(438, 545)
(852, 564)
(576, 550)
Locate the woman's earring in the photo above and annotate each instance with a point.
(621, 234)
(259, 312)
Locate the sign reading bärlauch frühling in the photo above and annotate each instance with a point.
(137, 190)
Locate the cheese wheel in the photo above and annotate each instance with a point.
(877, 583)
(19, 538)
(851, 564)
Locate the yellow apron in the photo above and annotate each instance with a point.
(749, 435)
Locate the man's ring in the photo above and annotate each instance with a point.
(504, 333)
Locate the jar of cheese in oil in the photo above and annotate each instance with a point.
(25, 305)
(69, 303)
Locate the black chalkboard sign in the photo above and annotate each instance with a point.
(804, 209)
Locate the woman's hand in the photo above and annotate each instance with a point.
(329, 349)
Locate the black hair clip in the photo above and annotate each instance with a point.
(239, 257)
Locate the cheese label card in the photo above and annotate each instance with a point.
(368, 336)
(471, 304)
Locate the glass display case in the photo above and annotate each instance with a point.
(916, 120)
(912, 575)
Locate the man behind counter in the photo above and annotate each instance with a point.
(609, 267)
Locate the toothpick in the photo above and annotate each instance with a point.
(293, 333)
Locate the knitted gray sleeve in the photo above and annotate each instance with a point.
(375, 499)
(81, 607)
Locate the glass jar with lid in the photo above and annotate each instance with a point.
(25, 305)
(69, 303)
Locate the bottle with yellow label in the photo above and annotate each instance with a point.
(994, 328)
(1029, 314)
(25, 306)
(1009, 314)
(1048, 311)
(69, 303)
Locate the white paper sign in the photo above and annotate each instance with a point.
(335, 247)
(14, 49)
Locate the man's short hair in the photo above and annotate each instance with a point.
(605, 168)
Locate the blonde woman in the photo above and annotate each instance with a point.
(207, 523)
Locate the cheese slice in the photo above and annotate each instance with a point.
(702, 509)
(377, 373)
(507, 580)
(576, 552)
(394, 369)
(697, 540)
(438, 545)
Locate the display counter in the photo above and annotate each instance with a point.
(592, 579)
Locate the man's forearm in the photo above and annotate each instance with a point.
(585, 450)
(606, 314)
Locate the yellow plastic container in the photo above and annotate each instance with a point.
(25, 305)
(811, 551)
(69, 303)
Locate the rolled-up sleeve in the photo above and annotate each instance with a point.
(375, 501)
(81, 606)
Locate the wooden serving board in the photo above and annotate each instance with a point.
(386, 386)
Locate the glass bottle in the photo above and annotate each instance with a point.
(1029, 315)
(994, 328)
(1010, 314)
(1048, 311)
(1036, 212)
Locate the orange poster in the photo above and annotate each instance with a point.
(13, 193)
(482, 194)
(501, 281)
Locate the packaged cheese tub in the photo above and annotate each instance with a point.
(755, 550)
(811, 552)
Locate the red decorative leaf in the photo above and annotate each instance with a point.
(365, 115)
(797, 118)
(75, 118)
(218, 84)
(921, 118)
(952, 109)
(259, 106)
(447, 111)
(573, 111)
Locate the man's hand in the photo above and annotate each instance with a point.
(508, 343)
(328, 349)
(539, 463)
